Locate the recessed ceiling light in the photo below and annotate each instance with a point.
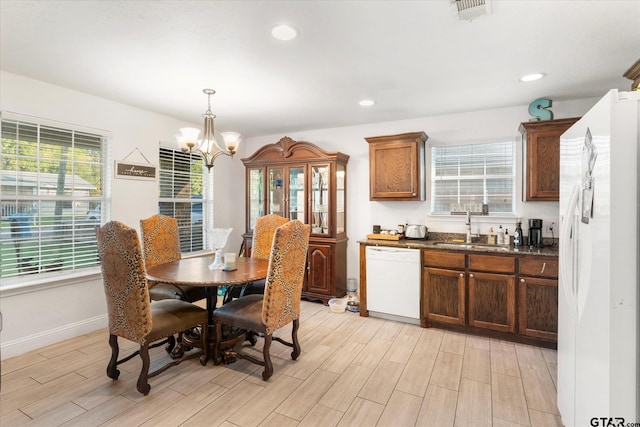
(367, 102)
(532, 77)
(284, 32)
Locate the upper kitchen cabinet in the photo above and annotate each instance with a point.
(299, 180)
(396, 167)
(541, 142)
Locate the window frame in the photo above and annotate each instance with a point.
(76, 227)
(514, 161)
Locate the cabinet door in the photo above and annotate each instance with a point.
(492, 301)
(538, 308)
(542, 158)
(319, 269)
(276, 191)
(255, 195)
(320, 203)
(297, 199)
(443, 295)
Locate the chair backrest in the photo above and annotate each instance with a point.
(287, 266)
(160, 240)
(263, 234)
(124, 279)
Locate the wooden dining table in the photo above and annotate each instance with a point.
(196, 272)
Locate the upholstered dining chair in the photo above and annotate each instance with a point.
(132, 315)
(280, 304)
(263, 231)
(161, 244)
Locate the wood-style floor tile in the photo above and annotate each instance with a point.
(362, 413)
(381, 382)
(476, 365)
(298, 404)
(446, 371)
(543, 419)
(474, 404)
(453, 342)
(346, 387)
(401, 410)
(508, 400)
(438, 407)
(539, 390)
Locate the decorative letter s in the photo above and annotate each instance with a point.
(538, 109)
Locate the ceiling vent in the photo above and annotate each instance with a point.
(471, 9)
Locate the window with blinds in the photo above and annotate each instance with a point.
(51, 197)
(182, 196)
(467, 175)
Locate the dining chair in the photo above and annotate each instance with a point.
(132, 315)
(263, 231)
(161, 244)
(280, 304)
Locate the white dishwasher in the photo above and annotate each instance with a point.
(393, 283)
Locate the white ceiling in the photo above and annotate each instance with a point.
(414, 58)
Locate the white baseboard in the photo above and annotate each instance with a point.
(33, 342)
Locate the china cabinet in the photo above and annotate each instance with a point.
(299, 180)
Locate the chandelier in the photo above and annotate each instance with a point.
(207, 146)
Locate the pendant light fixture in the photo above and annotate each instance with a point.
(207, 147)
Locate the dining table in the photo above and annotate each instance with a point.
(196, 272)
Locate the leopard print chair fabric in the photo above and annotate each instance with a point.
(263, 232)
(131, 313)
(161, 244)
(280, 304)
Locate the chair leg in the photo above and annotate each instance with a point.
(294, 338)
(268, 366)
(171, 343)
(143, 384)
(112, 370)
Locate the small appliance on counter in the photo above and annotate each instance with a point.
(535, 233)
(416, 231)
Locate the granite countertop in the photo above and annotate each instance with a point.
(548, 250)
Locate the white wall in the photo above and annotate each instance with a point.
(63, 307)
(449, 129)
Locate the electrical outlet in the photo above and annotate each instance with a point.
(551, 227)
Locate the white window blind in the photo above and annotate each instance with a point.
(183, 196)
(51, 195)
(473, 174)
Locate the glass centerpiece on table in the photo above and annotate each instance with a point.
(218, 238)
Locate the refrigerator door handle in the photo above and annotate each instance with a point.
(565, 251)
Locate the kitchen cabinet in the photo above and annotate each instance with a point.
(443, 287)
(299, 180)
(541, 148)
(538, 298)
(396, 167)
(492, 292)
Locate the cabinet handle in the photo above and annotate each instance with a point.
(461, 274)
(544, 264)
(471, 275)
(521, 280)
(413, 194)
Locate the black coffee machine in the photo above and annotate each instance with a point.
(535, 233)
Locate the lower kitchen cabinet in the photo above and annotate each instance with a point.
(538, 298)
(492, 301)
(318, 270)
(443, 295)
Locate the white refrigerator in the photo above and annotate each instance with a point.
(598, 277)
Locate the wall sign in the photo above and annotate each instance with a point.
(129, 170)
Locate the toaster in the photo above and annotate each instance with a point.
(415, 231)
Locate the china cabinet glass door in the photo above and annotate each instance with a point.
(276, 191)
(320, 199)
(297, 198)
(340, 199)
(256, 195)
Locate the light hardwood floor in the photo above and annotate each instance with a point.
(353, 371)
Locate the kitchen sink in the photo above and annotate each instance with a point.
(462, 245)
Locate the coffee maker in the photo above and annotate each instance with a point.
(535, 233)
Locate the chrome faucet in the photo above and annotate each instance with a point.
(468, 224)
